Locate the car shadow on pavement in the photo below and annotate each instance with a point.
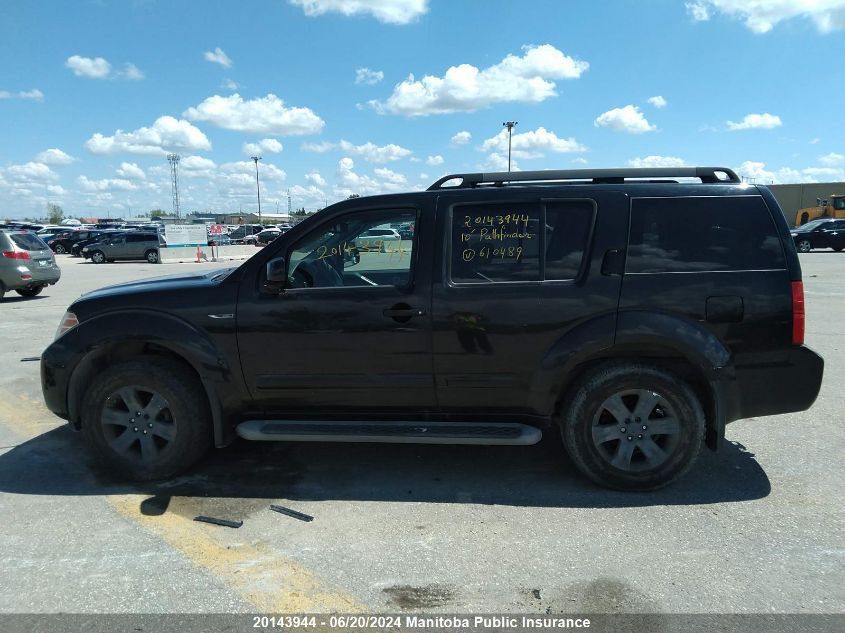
(57, 463)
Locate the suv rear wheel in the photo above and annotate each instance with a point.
(32, 291)
(151, 256)
(147, 419)
(632, 426)
(60, 249)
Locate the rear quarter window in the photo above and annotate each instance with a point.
(699, 234)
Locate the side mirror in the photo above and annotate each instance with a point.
(277, 275)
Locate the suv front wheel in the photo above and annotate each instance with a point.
(804, 246)
(631, 426)
(147, 419)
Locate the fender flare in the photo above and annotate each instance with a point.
(145, 326)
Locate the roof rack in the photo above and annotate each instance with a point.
(594, 176)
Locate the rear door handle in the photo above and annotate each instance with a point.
(613, 262)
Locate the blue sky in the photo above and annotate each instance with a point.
(370, 96)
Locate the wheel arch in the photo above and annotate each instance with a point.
(106, 343)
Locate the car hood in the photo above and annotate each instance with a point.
(156, 284)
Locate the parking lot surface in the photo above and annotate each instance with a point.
(756, 528)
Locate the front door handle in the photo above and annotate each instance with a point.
(402, 312)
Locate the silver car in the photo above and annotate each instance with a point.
(27, 264)
(129, 245)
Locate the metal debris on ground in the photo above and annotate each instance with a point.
(291, 513)
(30, 359)
(223, 522)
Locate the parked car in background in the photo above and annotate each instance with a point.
(76, 248)
(266, 236)
(63, 242)
(27, 264)
(48, 232)
(406, 231)
(219, 240)
(131, 245)
(376, 239)
(821, 233)
(243, 231)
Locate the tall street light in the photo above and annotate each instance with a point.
(257, 186)
(510, 125)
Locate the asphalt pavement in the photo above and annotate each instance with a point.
(755, 528)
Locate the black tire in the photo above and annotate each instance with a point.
(639, 459)
(32, 291)
(838, 248)
(151, 256)
(98, 257)
(2, 291)
(804, 246)
(61, 250)
(185, 417)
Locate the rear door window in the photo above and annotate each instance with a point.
(28, 241)
(698, 234)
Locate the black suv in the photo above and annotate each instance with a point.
(633, 314)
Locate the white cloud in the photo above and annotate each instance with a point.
(756, 172)
(761, 16)
(131, 171)
(465, 88)
(657, 101)
(627, 119)
(229, 84)
(371, 152)
(196, 167)
(166, 134)
(31, 172)
(315, 178)
(264, 146)
(580, 161)
(499, 162)
(310, 196)
(265, 115)
(461, 138)
(831, 159)
(35, 94)
(367, 76)
(763, 121)
(390, 176)
(349, 181)
(267, 171)
(531, 144)
(54, 156)
(434, 160)
(131, 72)
(93, 68)
(57, 190)
(218, 56)
(815, 141)
(387, 11)
(106, 184)
(657, 161)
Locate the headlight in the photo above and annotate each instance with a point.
(69, 321)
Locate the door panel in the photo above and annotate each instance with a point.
(357, 342)
(492, 333)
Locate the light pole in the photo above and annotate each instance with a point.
(510, 125)
(257, 186)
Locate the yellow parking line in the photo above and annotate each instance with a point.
(271, 582)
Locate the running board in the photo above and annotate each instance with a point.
(389, 432)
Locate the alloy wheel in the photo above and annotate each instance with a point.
(137, 423)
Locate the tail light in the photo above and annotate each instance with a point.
(798, 314)
(16, 255)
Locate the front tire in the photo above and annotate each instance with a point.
(804, 246)
(632, 426)
(30, 292)
(98, 257)
(147, 419)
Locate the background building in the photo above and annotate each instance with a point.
(794, 197)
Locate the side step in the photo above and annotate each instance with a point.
(389, 432)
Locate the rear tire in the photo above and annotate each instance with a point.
(838, 248)
(61, 250)
(151, 256)
(147, 419)
(30, 292)
(98, 257)
(632, 426)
